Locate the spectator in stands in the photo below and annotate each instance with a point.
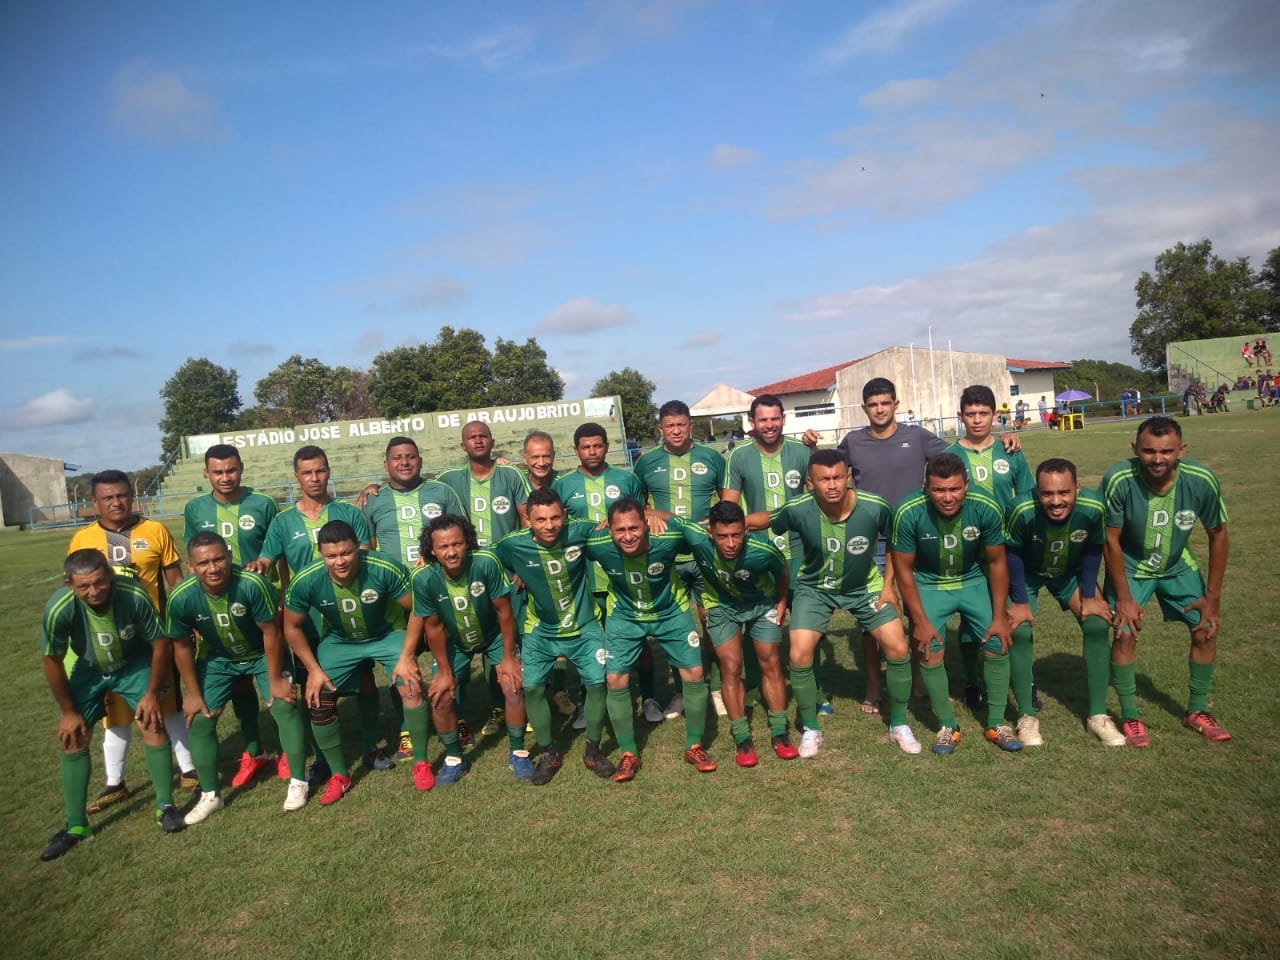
(1242, 383)
(1218, 402)
(1246, 353)
(1004, 415)
(1051, 419)
(1261, 353)
(1044, 408)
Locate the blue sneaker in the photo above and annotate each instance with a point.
(377, 760)
(319, 773)
(451, 771)
(946, 741)
(825, 708)
(1002, 736)
(521, 765)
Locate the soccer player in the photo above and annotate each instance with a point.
(745, 583)
(233, 611)
(940, 536)
(1153, 501)
(462, 602)
(837, 527)
(550, 559)
(358, 594)
(1002, 476)
(241, 516)
(539, 453)
(110, 623)
(398, 512)
(1055, 536)
(648, 598)
(493, 494)
(143, 548)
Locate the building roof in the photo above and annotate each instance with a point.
(723, 399)
(823, 379)
(1026, 366)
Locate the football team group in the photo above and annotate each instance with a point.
(563, 584)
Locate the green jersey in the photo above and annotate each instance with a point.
(293, 533)
(107, 640)
(396, 517)
(1001, 476)
(243, 523)
(365, 609)
(767, 481)
(464, 605)
(743, 583)
(839, 555)
(491, 503)
(589, 498)
(227, 623)
(646, 586)
(556, 578)
(1155, 527)
(949, 550)
(1051, 550)
(686, 484)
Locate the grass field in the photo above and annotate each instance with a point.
(1068, 851)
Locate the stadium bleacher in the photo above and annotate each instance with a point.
(1212, 362)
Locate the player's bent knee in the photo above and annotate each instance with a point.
(618, 681)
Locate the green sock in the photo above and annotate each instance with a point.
(805, 689)
(367, 703)
(696, 696)
(1021, 657)
(160, 766)
(740, 730)
(1124, 679)
(539, 711)
(244, 703)
(618, 703)
(777, 723)
(971, 657)
(593, 710)
(74, 771)
(329, 743)
(897, 683)
(1200, 684)
(293, 736)
(515, 736)
(934, 679)
(452, 746)
(417, 720)
(203, 741)
(1097, 662)
(995, 672)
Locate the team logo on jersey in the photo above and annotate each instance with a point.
(501, 505)
(694, 639)
(772, 615)
(742, 574)
(699, 468)
(246, 522)
(971, 533)
(1184, 519)
(792, 479)
(858, 545)
(431, 510)
(655, 569)
(780, 541)
(238, 610)
(1079, 536)
(369, 596)
(572, 553)
(477, 588)
(601, 656)
(129, 632)
(140, 544)
(611, 491)
(1000, 466)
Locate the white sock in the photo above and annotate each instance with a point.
(115, 747)
(176, 725)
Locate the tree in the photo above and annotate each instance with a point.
(401, 382)
(200, 397)
(1106, 380)
(297, 391)
(1193, 295)
(639, 413)
(519, 373)
(349, 394)
(1269, 281)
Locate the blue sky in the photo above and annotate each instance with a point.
(736, 192)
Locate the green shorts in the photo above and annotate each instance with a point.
(1061, 588)
(343, 660)
(218, 674)
(677, 633)
(88, 686)
(971, 600)
(540, 649)
(1174, 593)
(758, 623)
(811, 609)
(460, 659)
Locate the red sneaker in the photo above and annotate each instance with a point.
(338, 786)
(1135, 733)
(746, 756)
(282, 767)
(423, 778)
(699, 759)
(628, 767)
(1202, 722)
(249, 767)
(784, 748)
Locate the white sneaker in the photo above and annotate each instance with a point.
(296, 798)
(653, 711)
(717, 701)
(580, 721)
(1029, 731)
(1104, 728)
(206, 806)
(810, 742)
(904, 738)
(675, 707)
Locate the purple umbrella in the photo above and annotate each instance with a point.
(1071, 396)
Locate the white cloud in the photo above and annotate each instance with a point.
(885, 30)
(30, 343)
(726, 156)
(900, 94)
(708, 339)
(98, 354)
(584, 315)
(249, 348)
(438, 293)
(158, 106)
(55, 408)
